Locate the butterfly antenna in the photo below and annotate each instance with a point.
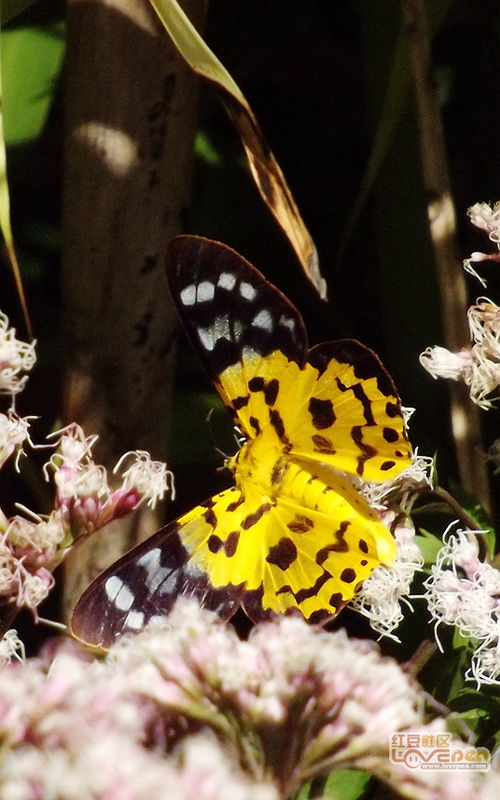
(238, 438)
(208, 420)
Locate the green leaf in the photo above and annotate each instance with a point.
(429, 545)
(481, 518)
(31, 61)
(444, 674)
(341, 784)
(205, 150)
(479, 711)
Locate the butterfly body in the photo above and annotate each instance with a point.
(293, 533)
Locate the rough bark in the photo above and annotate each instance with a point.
(131, 108)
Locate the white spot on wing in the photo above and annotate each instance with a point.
(134, 620)
(287, 322)
(192, 570)
(206, 338)
(150, 559)
(248, 354)
(237, 329)
(205, 291)
(227, 281)
(221, 327)
(188, 295)
(247, 291)
(167, 584)
(119, 594)
(158, 578)
(263, 320)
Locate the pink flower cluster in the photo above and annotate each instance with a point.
(187, 710)
(32, 546)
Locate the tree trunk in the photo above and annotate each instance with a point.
(131, 109)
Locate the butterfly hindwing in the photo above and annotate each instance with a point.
(351, 418)
(319, 545)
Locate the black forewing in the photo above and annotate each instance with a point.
(228, 307)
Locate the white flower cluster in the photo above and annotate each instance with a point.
(464, 592)
(478, 366)
(11, 648)
(487, 218)
(16, 357)
(380, 596)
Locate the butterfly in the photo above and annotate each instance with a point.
(293, 534)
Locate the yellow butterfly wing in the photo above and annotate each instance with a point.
(340, 408)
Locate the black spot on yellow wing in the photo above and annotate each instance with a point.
(235, 504)
(231, 544)
(348, 575)
(228, 545)
(214, 543)
(322, 444)
(363, 546)
(367, 451)
(300, 524)
(339, 546)
(269, 389)
(387, 465)
(210, 517)
(240, 402)
(390, 435)
(392, 409)
(310, 591)
(336, 600)
(322, 413)
(253, 518)
(277, 422)
(360, 394)
(282, 554)
(255, 424)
